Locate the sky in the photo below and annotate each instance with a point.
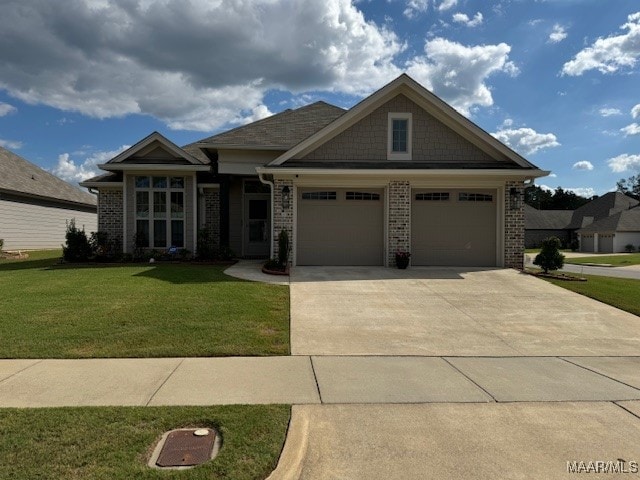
(557, 80)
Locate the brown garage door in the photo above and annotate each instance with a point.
(340, 226)
(453, 227)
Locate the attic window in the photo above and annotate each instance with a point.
(399, 137)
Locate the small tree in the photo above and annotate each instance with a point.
(77, 247)
(1, 244)
(550, 257)
(283, 248)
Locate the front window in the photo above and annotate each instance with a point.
(160, 211)
(399, 137)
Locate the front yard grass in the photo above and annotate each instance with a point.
(622, 293)
(160, 310)
(615, 260)
(115, 443)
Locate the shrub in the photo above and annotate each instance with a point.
(225, 253)
(139, 244)
(1, 244)
(550, 257)
(283, 248)
(206, 249)
(629, 248)
(273, 264)
(77, 247)
(574, 245)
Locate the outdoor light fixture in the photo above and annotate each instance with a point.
(285, 198)
(514, 198)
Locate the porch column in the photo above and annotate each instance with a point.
(282, 217)
(514, 227)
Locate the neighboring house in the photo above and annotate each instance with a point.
(35, 205)
(612, 234)
(542, 224)
(401, 170)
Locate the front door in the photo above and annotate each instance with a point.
(256, 225)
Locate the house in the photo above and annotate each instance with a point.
(566, 224)
(401, 170)
(35, 205)
(613, 233)
(542, 224)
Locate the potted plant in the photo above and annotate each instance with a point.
(402, 259)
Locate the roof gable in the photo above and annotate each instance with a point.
(154, 149)
(21, 176)
(434, 106)
(601, 207)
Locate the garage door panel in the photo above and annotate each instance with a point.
(454, 232)
(340, 231)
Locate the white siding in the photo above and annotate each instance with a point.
(25, 226)
(623, 239)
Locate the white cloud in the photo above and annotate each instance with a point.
(632, 129)
(624, 162)
(635, 111)
(6, 109)
(583, 165)
(465, 20)
(609, 54)
(526, 141)
(546, 188)
(586, 192)
(458, 73)
(552, 175)
(10, 144)
(196, 66)
(447, 5)
(415, 8)
(72, 172)
(610, 112)
(558, 34)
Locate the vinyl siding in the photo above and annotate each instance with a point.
(29, 226)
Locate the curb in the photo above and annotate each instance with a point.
(295, 447)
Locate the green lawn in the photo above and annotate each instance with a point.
(116, 443)
(615, 260)
(622, 293)
(161, 310)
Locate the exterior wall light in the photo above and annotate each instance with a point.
(286, 197)
(515, 199)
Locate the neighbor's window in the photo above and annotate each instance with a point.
(399, 136)
(160, 211)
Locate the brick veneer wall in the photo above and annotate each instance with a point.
(110, 213)
(212, 213)
(514, 228)
(399, 218)
(282, 218)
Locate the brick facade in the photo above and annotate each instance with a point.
(212, 213)
(399, 218)
(282, 217)
(110, 210)
(514, 227)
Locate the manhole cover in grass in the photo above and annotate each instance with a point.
(185, 447)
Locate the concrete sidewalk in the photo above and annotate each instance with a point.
(316, 379)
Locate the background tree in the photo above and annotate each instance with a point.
(558, 199)
(630, 186)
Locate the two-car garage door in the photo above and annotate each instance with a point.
(345, 226)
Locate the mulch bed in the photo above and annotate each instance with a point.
(556, 276)
(269, 271)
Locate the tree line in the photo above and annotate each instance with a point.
(561, 199)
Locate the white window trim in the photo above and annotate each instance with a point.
(391, 116)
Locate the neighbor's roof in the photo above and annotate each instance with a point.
(601, 207)
(625, 221)
(19, 176)
(282, 130)
(535, 219)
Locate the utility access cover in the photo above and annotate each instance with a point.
(187, 448)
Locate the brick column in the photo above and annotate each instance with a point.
(212, 213)
(399, 218)
(110, 214)
(514, 228)
(282, 218)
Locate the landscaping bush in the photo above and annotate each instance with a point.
(550, 257)
(139, 244)
(77, 247)
(574, 245)
(206, 249)
(629, 248)
(1, 244)
(283, 248)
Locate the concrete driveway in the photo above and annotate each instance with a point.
(449, 312)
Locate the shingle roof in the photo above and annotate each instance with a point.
(625, 221)
(23, 177)
(283, 130)
(105, 178)
(535, 219)
(600, 208)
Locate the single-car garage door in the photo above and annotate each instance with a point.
(605, 243)
(587, 243)
(453, 227)
(340, 226)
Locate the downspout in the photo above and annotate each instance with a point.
(272, 187)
